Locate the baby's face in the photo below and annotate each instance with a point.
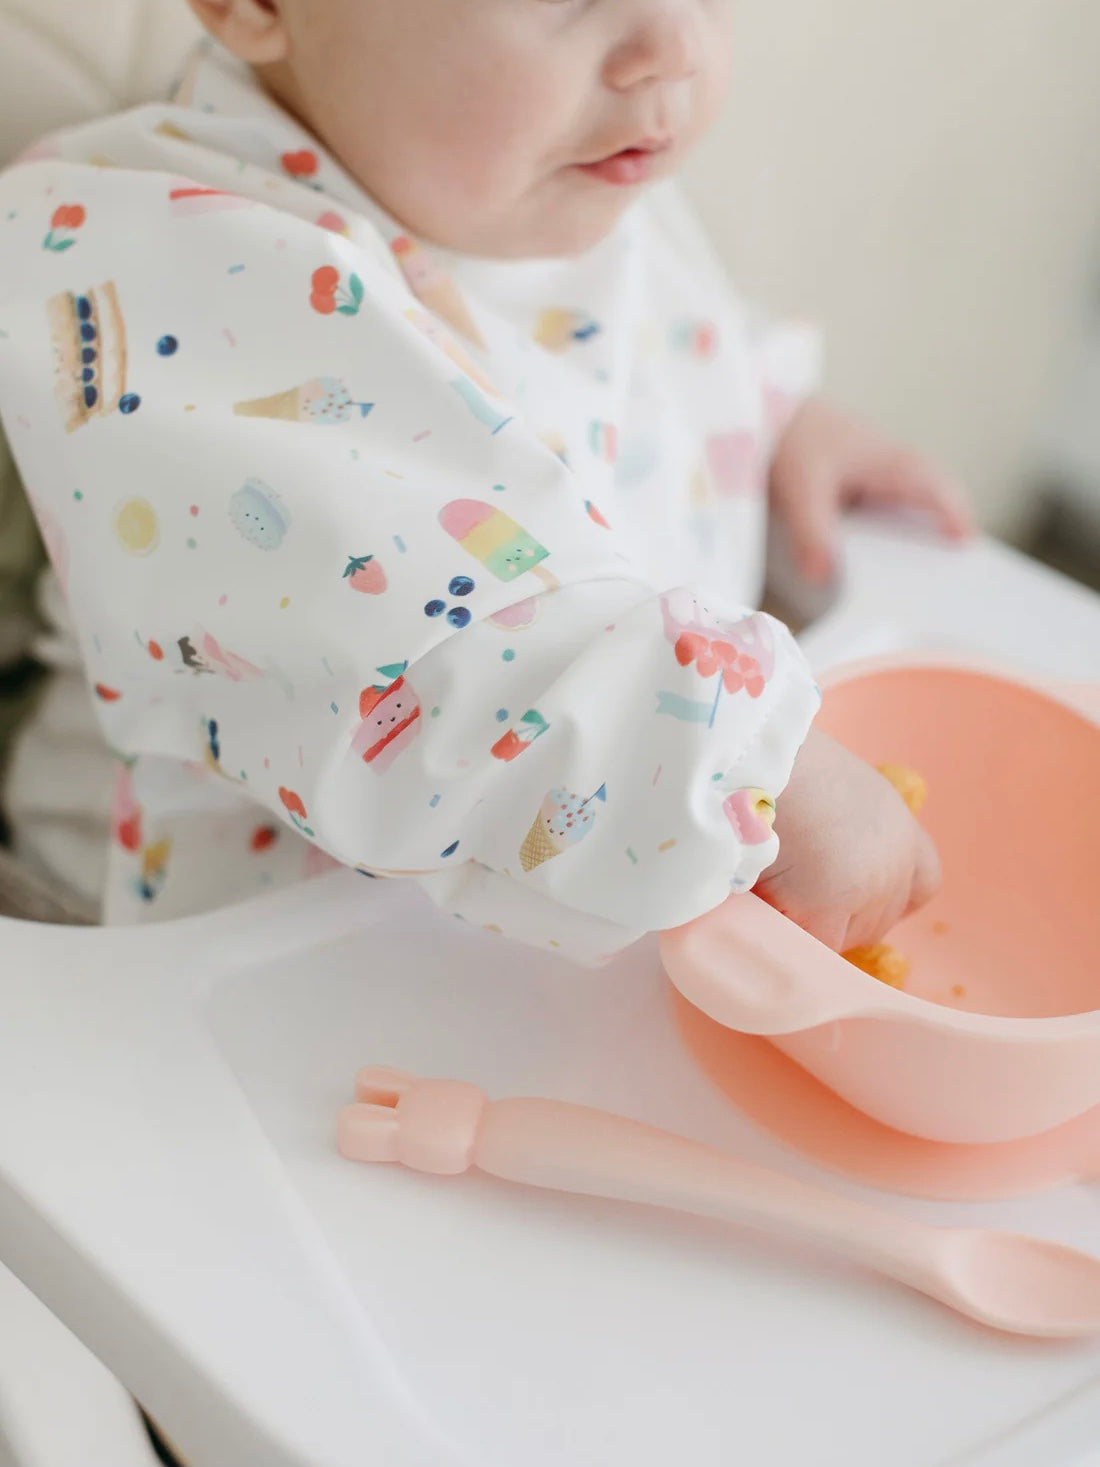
(476, 123)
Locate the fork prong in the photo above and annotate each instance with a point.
(367, 1133)
(380, 1085)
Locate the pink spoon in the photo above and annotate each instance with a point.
(1013, 1283)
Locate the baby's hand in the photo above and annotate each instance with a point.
(828, 461)
(852, 860)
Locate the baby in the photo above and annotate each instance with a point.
(403, 460)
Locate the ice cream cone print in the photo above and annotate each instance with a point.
(285, 405)
(556, 330)
(439, 336)
(563, 821)
(434, 288)
(321, 400)
(556, 443)
(538, 846)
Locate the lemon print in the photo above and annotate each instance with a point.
(136, 527)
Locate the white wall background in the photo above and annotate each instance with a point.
(923, 177)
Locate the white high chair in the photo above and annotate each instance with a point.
(169, 1187)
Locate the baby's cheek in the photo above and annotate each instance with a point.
(492, 156)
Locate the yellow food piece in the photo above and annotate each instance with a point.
(909, 784)
(881, 961)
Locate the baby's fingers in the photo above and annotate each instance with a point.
(810, 512)
(927, 873)
(908, 481)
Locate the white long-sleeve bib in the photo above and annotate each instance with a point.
(435, 566)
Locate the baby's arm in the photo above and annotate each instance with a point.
(415, 642)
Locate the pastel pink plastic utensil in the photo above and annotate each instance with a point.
(1017, 1284)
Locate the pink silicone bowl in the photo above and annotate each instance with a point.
(997, 1034)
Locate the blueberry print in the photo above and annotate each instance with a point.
(458, 616)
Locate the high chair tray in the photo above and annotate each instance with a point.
(169, 1185)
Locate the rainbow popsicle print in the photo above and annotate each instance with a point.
(492, 537)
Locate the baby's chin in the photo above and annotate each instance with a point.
(554, 231)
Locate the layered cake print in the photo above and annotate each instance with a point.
(88, 341)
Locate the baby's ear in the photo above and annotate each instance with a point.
(251, 29)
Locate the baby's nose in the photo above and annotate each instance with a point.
(663, 44)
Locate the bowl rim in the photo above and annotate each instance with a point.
(850, 993)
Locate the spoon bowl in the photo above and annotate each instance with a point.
(1021, 1285)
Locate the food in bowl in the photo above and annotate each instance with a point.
(881, 961)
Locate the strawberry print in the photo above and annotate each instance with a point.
(364, 574)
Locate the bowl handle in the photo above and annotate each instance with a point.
(754, 970)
